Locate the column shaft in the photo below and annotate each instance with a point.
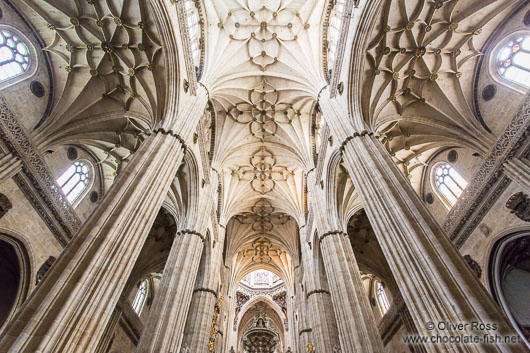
(197, 331)
(69, 310)
(518, 171)
(9, 166)
(321, 313)
(355, 319)
(433, 279)
(165, 325)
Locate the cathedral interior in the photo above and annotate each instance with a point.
(264, 176)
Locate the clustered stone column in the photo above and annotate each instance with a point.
(320, 309)
(165, 326)
(434, 280)
(69, 310)
(205, 296)
(518, 170)
(356, 323)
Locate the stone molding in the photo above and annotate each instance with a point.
(206, 290)
(306, 330)
(318, 291)
(39, 205)
(355, 134)
(332, 232)
(488, 183)
(191, 232)
(172, 134)
(38, 175)
(322, 153)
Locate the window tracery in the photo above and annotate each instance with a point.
(513, 60)
(74, 180)
(14, 56)
(140, 297)
(449, 183)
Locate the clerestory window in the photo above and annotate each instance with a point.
(382, 299)
(14, 56)
(513, 60)
(140, 297)
(449, 183)
(74, 180)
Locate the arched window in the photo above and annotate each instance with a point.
(449, 183)
(332, 26)
(193, 20)
(382, 299)
(74, 180)
(141, 296)
(14, 56)
(319, 130)
(513, 60)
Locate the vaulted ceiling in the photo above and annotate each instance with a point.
(263, 70)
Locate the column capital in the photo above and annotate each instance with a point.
(318, 291)
(306, 330)
(163, 131)
(331, 232)
(205, 290)
(191, 232)
(351, 137)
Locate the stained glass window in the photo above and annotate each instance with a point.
(449, 183)
(14, 56)
(74, 180)
(140, 297)
(513, 60)
(382, 299)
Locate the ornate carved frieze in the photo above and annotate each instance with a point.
(281, 300)
(241, 299)
(488, 183)
(191, 71)
(38, 174)
(205, 131)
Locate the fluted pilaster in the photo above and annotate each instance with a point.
(9, 166)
